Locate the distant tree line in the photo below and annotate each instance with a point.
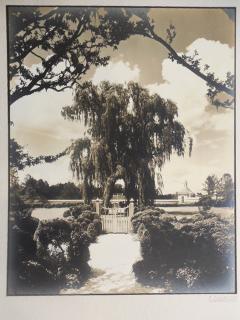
(168, 196)
(32, 189)
(220, 191)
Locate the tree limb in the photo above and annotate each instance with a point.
(219, 86)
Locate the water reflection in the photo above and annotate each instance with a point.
(48, 213)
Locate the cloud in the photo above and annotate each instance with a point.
(211, 129)
(40, 128)
(219, 56)
(189, 91)
(38, 122)
(57, 172)
(119, 72)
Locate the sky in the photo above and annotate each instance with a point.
(40, 128)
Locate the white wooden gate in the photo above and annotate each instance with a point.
(116, 220)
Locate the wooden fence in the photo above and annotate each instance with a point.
(116, 219)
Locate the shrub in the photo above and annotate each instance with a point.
(98, 225)
(77, 211)
(21, 249)
(63, 245)
(92, 231)
(63, 248)
(149, 214)
(66, 214)
(36, 278)
(194, 254)
(205, 203)
(47, 255)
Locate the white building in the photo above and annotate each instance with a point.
(186, 195)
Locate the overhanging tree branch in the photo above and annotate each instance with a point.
(148, 31)
(19, 158)
(75, 36)
(219, 86)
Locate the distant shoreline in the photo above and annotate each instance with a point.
(61, 203)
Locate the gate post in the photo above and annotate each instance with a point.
(98, 207)
(131, 208)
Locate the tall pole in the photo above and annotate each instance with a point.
(131, 208)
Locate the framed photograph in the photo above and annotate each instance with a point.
(119, 148)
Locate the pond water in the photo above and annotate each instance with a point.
(53, 213)
(111, 260)
(48, 213)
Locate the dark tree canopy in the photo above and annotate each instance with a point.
(211, 185)
(39, 189)
(227, 189)
(66, 41)
(130, 133)
(220, 189)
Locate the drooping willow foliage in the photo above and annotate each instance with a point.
(130, 134)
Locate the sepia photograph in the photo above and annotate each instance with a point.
(122, 133)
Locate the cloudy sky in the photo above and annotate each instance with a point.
(38, 124)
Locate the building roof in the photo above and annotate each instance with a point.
(186, 190)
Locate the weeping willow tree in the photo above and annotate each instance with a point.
(130, 134)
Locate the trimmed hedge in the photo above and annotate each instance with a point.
(48, 255)
(193, 254)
